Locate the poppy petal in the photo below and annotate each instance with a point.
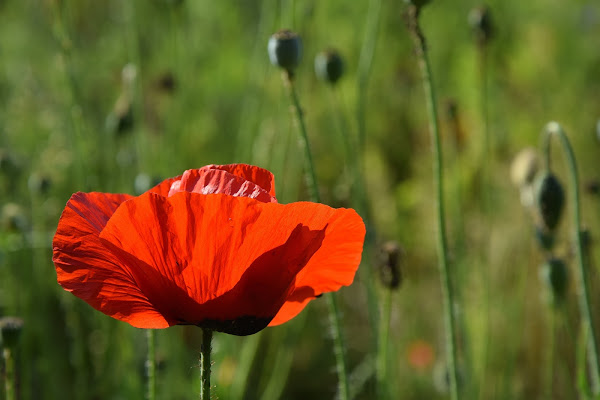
(87, 269)
(254, 174)
(211, 181)
(331, 267)
(164, 187)
(228, 263)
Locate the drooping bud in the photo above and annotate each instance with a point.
(555, 276)
(329, 66)
(10, 328)
(480, 19)
(285, 49)
(549, 200)
(390, 273)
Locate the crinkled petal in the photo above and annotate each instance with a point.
(331, 267)
(254, 174)
(211, 181)
(85, 267)
(223, 262)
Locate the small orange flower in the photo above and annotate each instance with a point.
(420, 354)
(212, 248)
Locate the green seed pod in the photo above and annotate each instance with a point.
(10, 328)
(329, 66)
(480, 19)
(285, 49)
(390, 273)
(555, 276)
(549, 200)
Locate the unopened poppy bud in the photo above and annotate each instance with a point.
(329, 66)
(550, 200)
(555, 276)
(480, 19)
(285, 49)
(389, 271)
(10, 327)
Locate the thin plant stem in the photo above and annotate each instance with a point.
(9, 371)
(382, 345)
(551, 354)
(205, 364)
(446, 285)
(334, 313)
(151, 365)
(583, 288)
(364, 67)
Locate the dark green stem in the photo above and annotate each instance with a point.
(583, 289)
(151, 365)
(205, 364)
(9, 378)
(447, 292)
(334, 313)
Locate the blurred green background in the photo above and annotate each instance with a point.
(199, 89)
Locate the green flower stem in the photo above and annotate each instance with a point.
(583, 289)
(151, 365)
(447, 293)
(334, 313)
(9, 372)
(205, 364)
(364, 67)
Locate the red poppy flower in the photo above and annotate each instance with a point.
(211, 248)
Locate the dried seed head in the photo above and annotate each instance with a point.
(329, 66)
(549, 200)
(285, 49)
(555, 276)
(480, 19)
(524, 167)
(10, 327)
(390, 272)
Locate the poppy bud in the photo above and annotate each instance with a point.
(389, 271)
(285, 49)
(480, 19)
(329, 66)
(10, 328)
(555, 275)
(550, 200)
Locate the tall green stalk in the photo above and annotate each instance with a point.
(9, 374)
(205, 364)
(151, 365)
(447, 292)
(334, 313)
(583, 288)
